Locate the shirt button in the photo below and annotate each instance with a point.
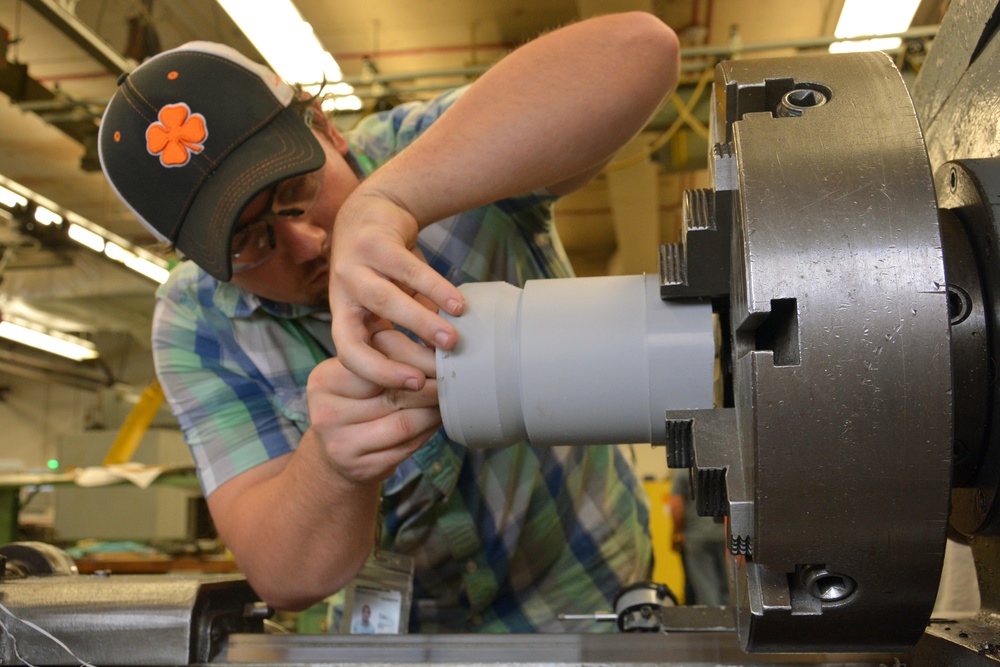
(436, 467)
(471, 566)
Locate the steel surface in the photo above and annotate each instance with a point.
(615, 650)
(121, 620)
(836, 476)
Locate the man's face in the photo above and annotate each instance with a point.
(298, 270)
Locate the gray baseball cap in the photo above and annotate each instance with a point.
(192, 135)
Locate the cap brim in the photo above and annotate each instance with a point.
(284, 149)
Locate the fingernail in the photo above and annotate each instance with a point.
(412, 384)
(441, 338)
(454, 306)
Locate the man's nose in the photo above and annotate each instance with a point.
(302, 240)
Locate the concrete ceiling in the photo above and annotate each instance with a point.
(81, 292)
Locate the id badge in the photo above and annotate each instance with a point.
(378, 600)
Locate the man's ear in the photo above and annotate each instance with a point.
(324, 127)
(338, 140)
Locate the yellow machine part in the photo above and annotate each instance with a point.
(668, 568)
(135, 426)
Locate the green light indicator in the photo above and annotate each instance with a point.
(52, 464)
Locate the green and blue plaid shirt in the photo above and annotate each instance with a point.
(505, 539)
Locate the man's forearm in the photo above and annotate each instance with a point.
(299, 533)
(556, 107)
(302, 525)
(549, 115)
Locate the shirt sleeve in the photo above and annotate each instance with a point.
(513, 239)
(231, 416)
(380, 136)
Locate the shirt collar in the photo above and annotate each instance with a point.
(236, 302)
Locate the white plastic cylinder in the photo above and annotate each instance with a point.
(573, 361)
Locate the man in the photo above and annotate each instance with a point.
(301, 453)
(362, 625)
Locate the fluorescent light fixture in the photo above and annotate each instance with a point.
(44, 216)
(114, 247)
(350, 103)
(118, 253)
(288, 43)
(55, 342)
(86, 237)
(864, 17)
(14, 195)
(11, 199)
(136, 263)
(148, 269)
(342, 98)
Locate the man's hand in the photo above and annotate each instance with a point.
(378, 279)
(540, 96)
(323, 497)
(366, 429)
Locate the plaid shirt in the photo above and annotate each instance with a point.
(504, 539)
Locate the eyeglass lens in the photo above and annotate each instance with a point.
(252, 244)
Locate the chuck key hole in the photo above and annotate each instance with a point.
(827, 586)
(831, 588)
(959, 305)
(805, 98)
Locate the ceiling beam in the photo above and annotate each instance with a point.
(19, 87)
(83, 36)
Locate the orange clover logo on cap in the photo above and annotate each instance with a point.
(176, 135)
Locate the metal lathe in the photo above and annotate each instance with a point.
(849, 250)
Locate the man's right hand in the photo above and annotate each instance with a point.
(379, 279)
(366, 429)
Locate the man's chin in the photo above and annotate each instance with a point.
(315, 298)
(323, 299)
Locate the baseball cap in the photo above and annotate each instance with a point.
(192, 135)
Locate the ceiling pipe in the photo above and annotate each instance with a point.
(53, 373)
(692, 60)
(806, 43)
(719, 51)
(406, 76)
(117, 64)
(60, 104)
(83, 36)
(426, 51)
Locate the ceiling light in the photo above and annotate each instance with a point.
(288, 43)
(136, 263)
(55, 342)
(117, 253)
(863, 18)
(11, 199)
(342, 99)
(148, 269)
(44, 216)
(86, 237)
(13, 195)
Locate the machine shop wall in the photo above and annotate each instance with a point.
(612, 226)
(34, 415)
